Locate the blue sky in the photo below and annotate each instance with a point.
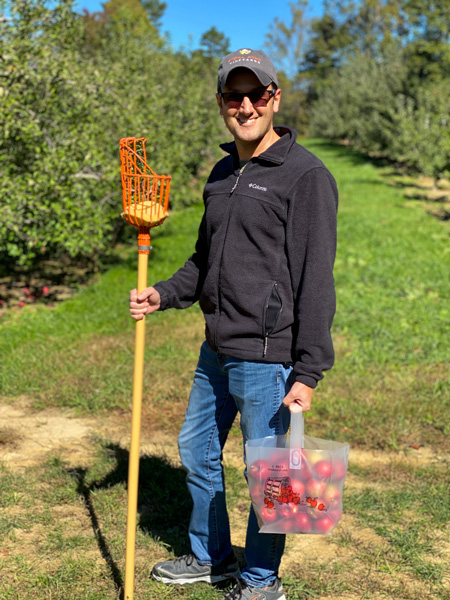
(244, 23)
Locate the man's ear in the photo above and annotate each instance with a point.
(276, 101)
(219, 102)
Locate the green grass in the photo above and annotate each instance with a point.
(391, 270)
(413, 503)
(391, 382)
(62, 525)
(81, 352)
(64, 528)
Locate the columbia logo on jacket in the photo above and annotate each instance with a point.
(255, 186)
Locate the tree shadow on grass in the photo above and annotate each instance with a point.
(339, 150)
(164, 504)
(353, 155)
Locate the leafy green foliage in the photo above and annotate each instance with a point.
(375, 73)
(356, 99)
(71, 87)
(293, 107)
(419, 132)
(427, 26)
(155, 10)
(53, 199)
(214, 43)
(365, 103)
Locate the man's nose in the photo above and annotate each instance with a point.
(246, 105)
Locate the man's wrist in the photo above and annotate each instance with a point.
(306, 380)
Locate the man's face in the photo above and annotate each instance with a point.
(251, 126)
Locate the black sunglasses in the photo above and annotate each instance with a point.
(259, 97)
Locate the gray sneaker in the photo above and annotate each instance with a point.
(186, 569)
(243, 591)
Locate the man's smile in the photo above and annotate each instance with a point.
(243, 121)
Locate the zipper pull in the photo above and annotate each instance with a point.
(237, 180)
(266, 339)
(235, 184)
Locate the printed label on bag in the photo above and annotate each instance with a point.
(279, 489)
(295, 458)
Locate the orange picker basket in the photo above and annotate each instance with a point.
(145, 201)
(145, 194)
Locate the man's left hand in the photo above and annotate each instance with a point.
(300, 395)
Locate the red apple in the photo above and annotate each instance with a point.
(315, 488)
(322, 469)
(278, 456)
(335, 514)
(305, 471)
(324, 524)
(298, 487)
(286, 525)
(332, 495)
(259, 470)
(269, 515)
(286, 511)
(313, 456)
(302, 523)
(256, 491)
(339, 470)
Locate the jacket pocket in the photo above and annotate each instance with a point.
(272, 310)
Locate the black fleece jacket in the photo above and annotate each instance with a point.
(262, 269)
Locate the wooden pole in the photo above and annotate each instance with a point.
(133, 465)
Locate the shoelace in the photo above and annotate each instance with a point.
(187, 558)
(237, 588)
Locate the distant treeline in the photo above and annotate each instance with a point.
(373, 72)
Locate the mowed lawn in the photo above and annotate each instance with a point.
(62, 524)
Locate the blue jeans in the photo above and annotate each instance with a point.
(222, 386)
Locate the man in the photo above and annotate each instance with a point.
(262, 272)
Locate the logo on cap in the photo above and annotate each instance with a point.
(244, 51)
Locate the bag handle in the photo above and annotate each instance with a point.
(296, 440)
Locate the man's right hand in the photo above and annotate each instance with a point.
(144, 303)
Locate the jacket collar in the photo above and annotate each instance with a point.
(276, 153)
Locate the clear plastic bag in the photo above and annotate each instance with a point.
(296, 482)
